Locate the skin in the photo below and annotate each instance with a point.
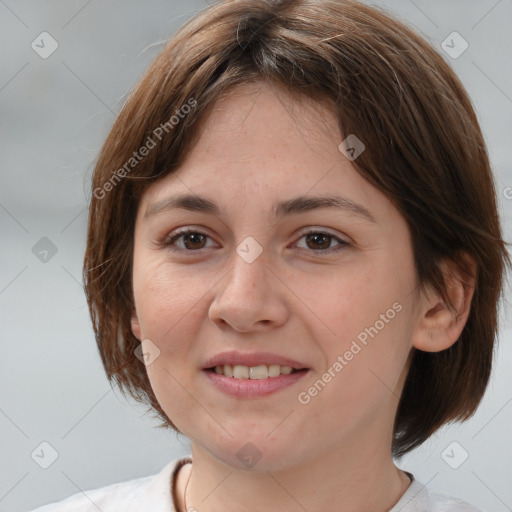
(260, 146)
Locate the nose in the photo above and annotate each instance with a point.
(250, 296)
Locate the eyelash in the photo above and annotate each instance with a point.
(168, 243)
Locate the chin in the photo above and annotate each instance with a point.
(259, 454)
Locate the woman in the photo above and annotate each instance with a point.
(294, 257)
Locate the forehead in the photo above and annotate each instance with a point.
(264, 145)
(264, 118)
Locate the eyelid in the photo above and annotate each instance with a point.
(169, 241)
(324, 231)
(171, 238)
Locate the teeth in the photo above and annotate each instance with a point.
(258, 372)
(274, 370)
(261, 371)
(240, 372)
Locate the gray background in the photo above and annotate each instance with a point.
(55, 114)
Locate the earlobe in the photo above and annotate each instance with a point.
(135, 326)
(439, 326)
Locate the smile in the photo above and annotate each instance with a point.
(259, 372)
(252, 381)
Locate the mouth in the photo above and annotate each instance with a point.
(259, 372)
(252, 375)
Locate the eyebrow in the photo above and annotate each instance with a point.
(195, 203)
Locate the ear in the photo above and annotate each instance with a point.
(135, 326)
(439, 326)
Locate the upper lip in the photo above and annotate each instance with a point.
(251, 359)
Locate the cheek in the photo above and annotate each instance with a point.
(360, 380)
(170, 310)
(368, 315)
(163, 297)
(351, 303)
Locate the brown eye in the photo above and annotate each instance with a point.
(194, 240)
(191, 241)
(320, 242)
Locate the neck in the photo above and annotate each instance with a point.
(358, 477)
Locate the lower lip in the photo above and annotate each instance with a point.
(247, 388)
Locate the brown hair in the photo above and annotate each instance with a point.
(424, 151)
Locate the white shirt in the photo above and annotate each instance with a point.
(154, 494)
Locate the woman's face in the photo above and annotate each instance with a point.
(251, 286)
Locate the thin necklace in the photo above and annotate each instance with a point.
(185, 492)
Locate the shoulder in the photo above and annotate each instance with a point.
(419, 498)
(130, 496)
